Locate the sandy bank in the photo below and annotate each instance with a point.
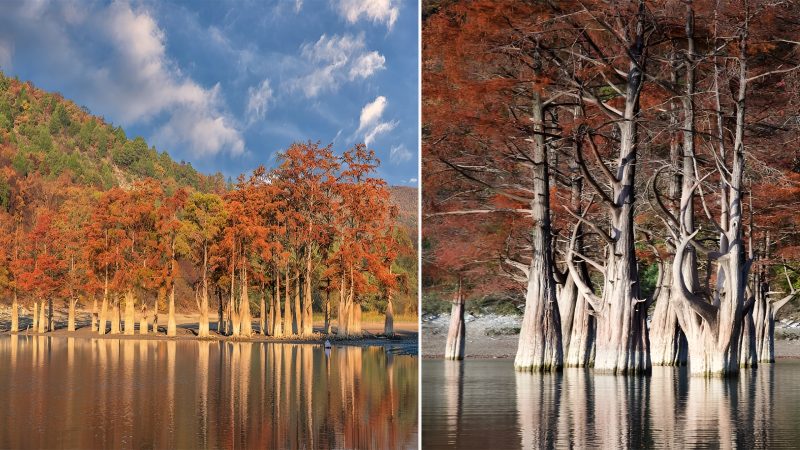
(405, 340)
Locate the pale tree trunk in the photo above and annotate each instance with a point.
(667, 341)
(308, 300)
(143, 327)
(341, 315)
(130, 313)
(277, 322)
(71, 315)
(43, 319)
(714, 337)
(262, 314)
(287, 309)
(327, 326)
(244, 306)
(765, 327)
(35, 325)
(577, 325)
(171, 325)
(115, 317)
(388, 324)
(51, 326)
(202, 326)
(456, 334)
(94, 313)
(297, 316)
(622, 345)
(102, 317)
(155, 310)
(220, 311)
(14, 314)
(540, 347)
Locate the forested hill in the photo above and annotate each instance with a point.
(44, 134)
(47, 135)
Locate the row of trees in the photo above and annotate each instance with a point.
(316, 223)
(602, 140)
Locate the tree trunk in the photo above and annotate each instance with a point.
(94, 313)
(277, 322)
(308, 300)
(456, 338)
(115, 317)
(71, 315)
(262, 315)
(287, 310)
(388, 324)
(298, 312)
(202, 326)
(35, 325)
(130, 313)
(171, 325)
(143, 326)
(50, 319)
(103, 316)
(43, 319)
(540, 347)
(327, 326)
(14, 314)
(244, 306)
(220, 310)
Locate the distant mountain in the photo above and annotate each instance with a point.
(406, 200)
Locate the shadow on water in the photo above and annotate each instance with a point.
(110, 393)
(486, 404)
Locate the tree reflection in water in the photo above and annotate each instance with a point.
(100, 393)
(580, 409)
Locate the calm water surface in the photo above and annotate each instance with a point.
(486, 404)
(109, 393)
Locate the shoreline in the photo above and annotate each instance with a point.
(492, 336)
(405, 341)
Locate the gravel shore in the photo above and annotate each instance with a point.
(495, 336)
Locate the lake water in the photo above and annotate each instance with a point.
(486, 404)
(111, 393)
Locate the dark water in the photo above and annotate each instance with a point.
(108, 393)
(485, 404)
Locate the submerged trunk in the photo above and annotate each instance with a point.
(388, 324)
(244, 307)
(456, 339)
(277, 322)
(43, 319)
(14, 314)
(71, 315)
(262, 314)
(308, 314)
(130, 313)
(102, 317)
(202, 326)
(287, 309)
(35, 325)
(327, 326)
(94, 313)
(171, 326)
(115, 317)
(540, 347)
(297, 322)
(143, 326)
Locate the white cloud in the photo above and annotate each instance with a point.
(370, 120)
(399, 153)
(333, 60)
(298, 5)
(366, 65)
(258, 99)
(134, 81)
(377, 11)
(5, 55)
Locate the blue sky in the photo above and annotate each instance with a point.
(227, 84)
